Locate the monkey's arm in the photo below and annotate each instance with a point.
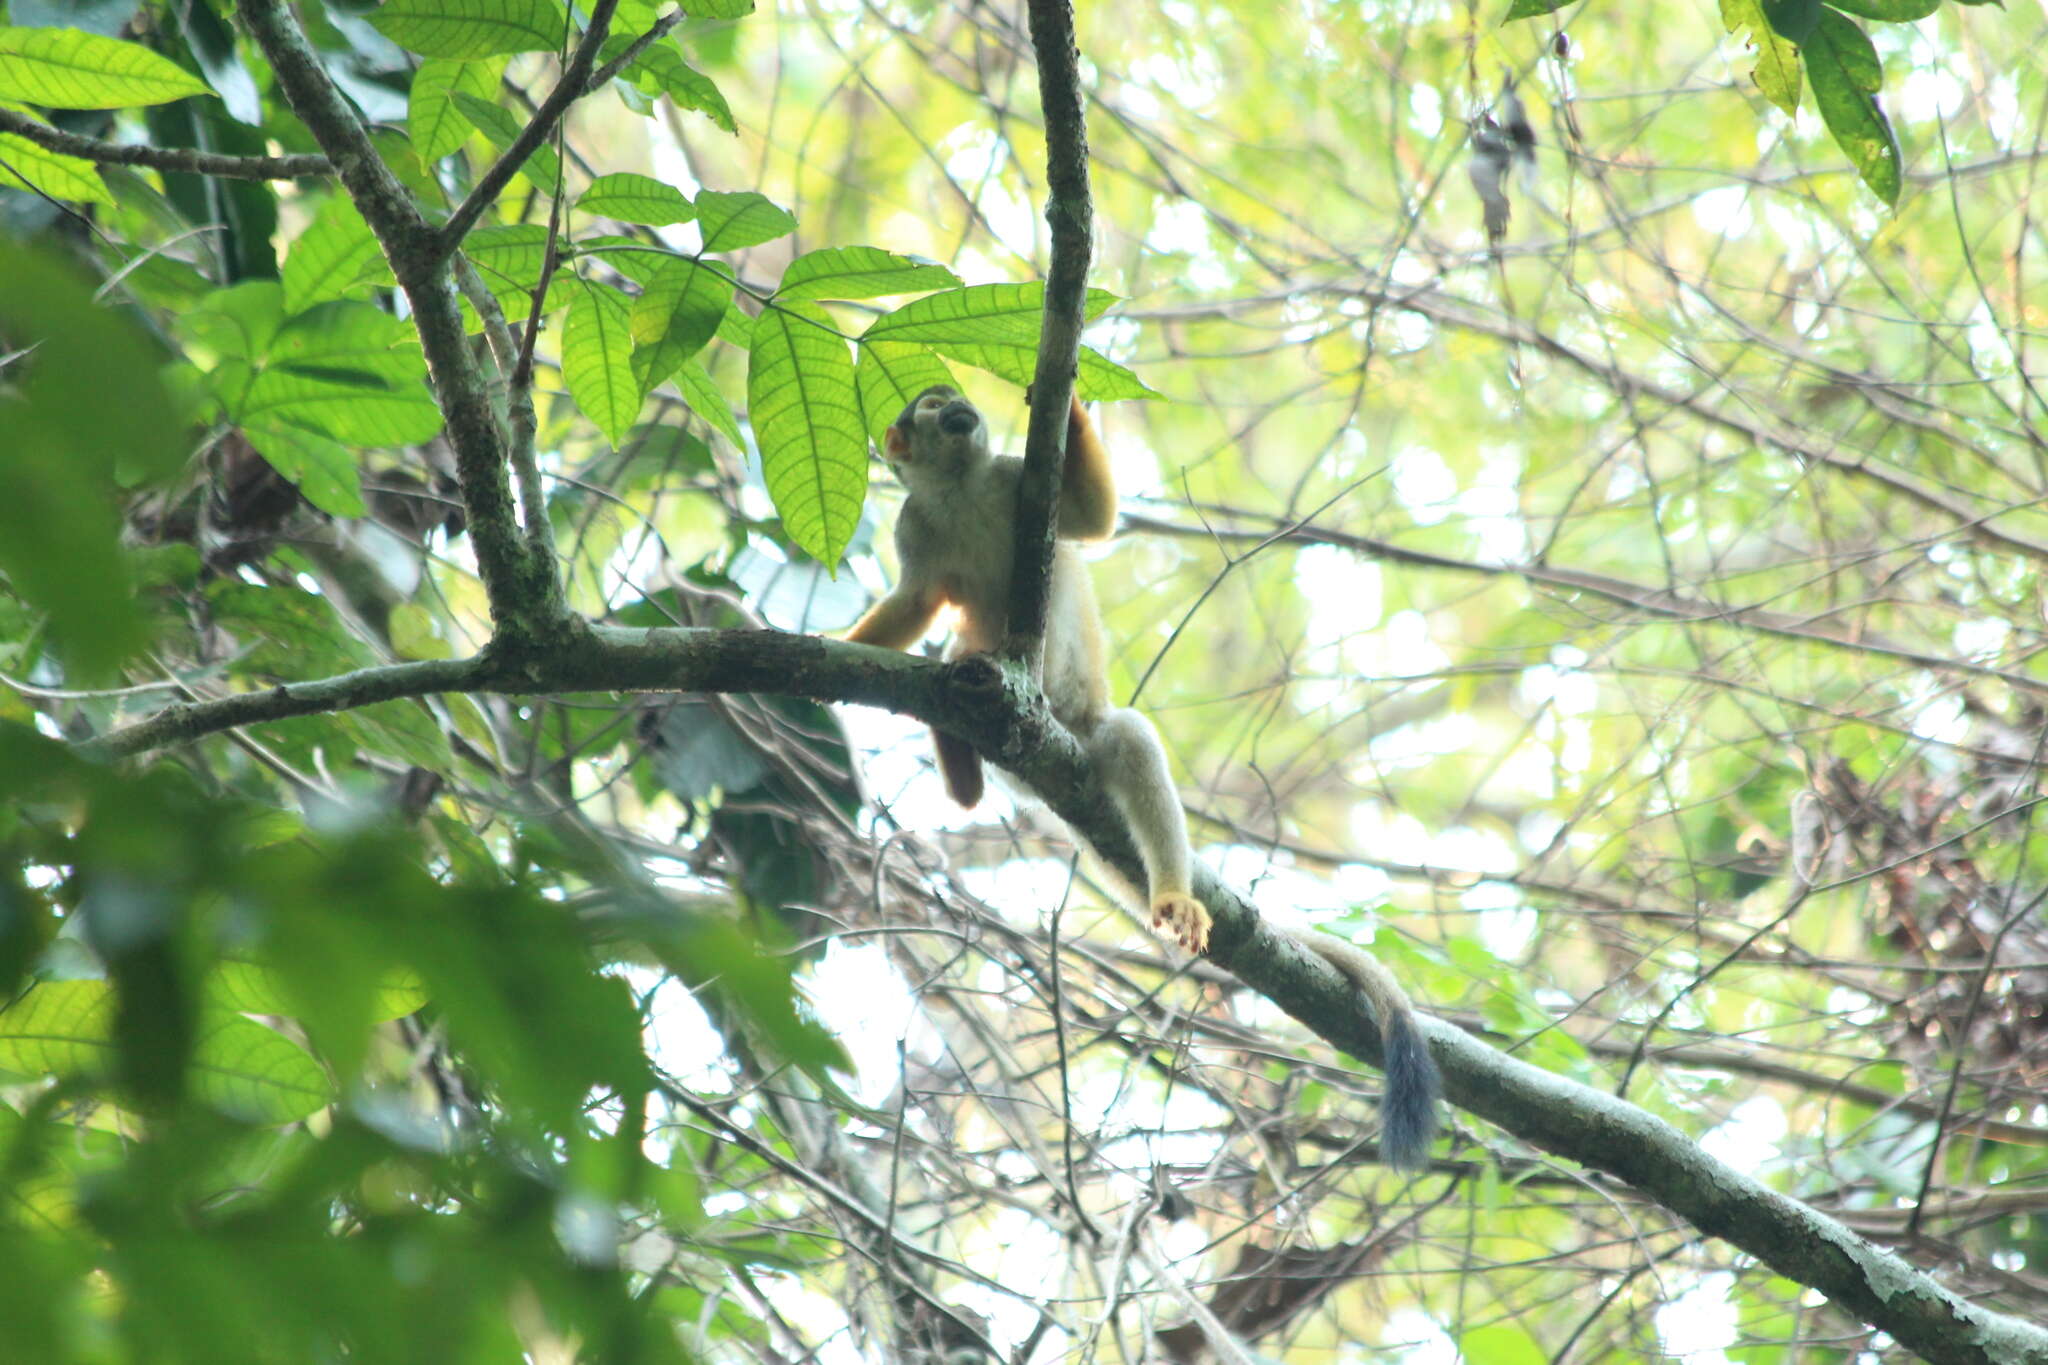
(1087, 493)
(899, 620)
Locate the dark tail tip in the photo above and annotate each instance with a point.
(1408, 1117)
(961, 767)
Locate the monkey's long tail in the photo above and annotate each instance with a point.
(1408, 1111)
(960, 766)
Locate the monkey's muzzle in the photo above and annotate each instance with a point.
(958, 417)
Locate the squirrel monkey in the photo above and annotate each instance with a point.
(955, 538)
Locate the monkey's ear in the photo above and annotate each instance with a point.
(896, 446)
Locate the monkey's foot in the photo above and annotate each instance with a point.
(1187, 919)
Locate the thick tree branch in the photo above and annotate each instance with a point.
(1009, 723)
(591, 658)
(573, 85)
(180, 159)
(1071, 214)
(525, 592)
(1607, 1134)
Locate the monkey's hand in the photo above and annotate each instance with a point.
(1187, 919)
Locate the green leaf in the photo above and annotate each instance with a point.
(1887, 11)
(861, 272)
(732, 221)
(1529, 9)
(67, 68)
(324, 469)
(237, 323)
(1501, 1343)
(332, 257)
(597, 359)
(66, 448)
(678, 311)
(807, 420)
(345, 369)
(416, 175)
(59, 1028)
(889, 375)
(65, 1028)
(434, 124)
(1843, 69)
(1792, 19)
(636, 260)
(978, 313)
(212, 45)
(1777, 60)
(385, 401)
(995, 327)
(688, 87)
(721, 9)
(245, 1069)
(736, 329)
(633, 198)
(542, 166)
(407, 731)
(509, 259)
(463, 29)
(413, 634)
(702, 397)
(24, 165)
(256, 988)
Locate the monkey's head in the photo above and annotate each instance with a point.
(939, 435)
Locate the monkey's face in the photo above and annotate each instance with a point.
(940, 434)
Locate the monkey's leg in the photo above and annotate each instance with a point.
(1127, 753)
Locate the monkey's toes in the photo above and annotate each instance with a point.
(1186, 918)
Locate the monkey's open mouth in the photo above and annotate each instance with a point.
(958, 417)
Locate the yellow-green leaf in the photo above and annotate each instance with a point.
(542, 166)
(889, 375)
(414, 636)
(257, 988)
(631, 198)
(434, 124)
(462, 29)
(978, 313)
(861, 272)
(1777, 61)
(508, 258)
(65, 1028)
(732, 221)
(331, 257)
(59, 1028)
(660, 69)
(322, 467)
(702, 397)
(801, 396)
(67, 68)
(24, 165)
(597, 359)
(255, 1073)
(678, 311)
(1502, 1343)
